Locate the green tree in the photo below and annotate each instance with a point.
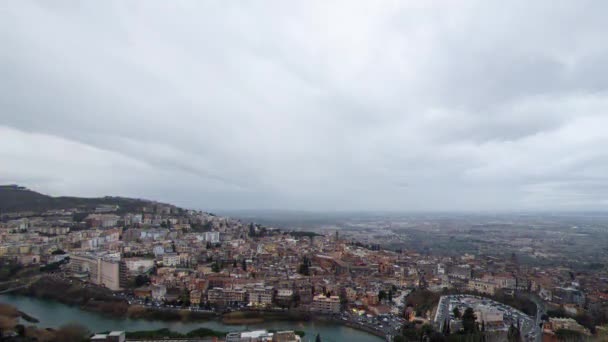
(295, 299)
(468, 321)
(20, 330)
(426, 331)
(304, 268)
(513, 335)
(456, 312)
(318, 338)
(141, 280)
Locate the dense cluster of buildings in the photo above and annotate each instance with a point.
(207, 260)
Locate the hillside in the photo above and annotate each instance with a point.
(14, 198)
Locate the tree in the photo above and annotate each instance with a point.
(426, 331)
(318, 338)
(244, 265)
(513, 335)
(304, 268)
(437, 337)
(382, 295)
(20, 330)
(79, 217)
(141, 280)
(343, 300)
(468, 321)
(456, 312)
(185, 298)
(295, 298)
(215, 267)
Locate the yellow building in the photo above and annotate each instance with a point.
(195, 297)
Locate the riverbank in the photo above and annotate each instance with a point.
(102, 301)
(28, 318)
(259, 317)
(54, 315)
(167, 333)
(11, 313)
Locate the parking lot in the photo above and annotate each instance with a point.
(510, 315)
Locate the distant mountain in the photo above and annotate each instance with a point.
(14, 198)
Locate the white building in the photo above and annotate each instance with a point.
(159, 292)
(488, 314)
(158, 250)
(138, 265)
(170, 259)
(212, 237)
(100, 270)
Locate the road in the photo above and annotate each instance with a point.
(19, 286)
(540, 311)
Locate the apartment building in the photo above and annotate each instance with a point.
(104, 271)
(326, 305)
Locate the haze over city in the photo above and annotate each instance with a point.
(468, 105)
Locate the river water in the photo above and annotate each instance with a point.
(53, 314)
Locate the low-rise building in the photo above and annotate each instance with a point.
(482, 286)
(170, 259)
(224, 297)
(260, 295)
(195, 297)
(326, 305)
(159, 292)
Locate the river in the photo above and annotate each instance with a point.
(53, 314)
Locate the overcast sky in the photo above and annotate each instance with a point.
(354, 105)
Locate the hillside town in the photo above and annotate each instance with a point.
(162, 257)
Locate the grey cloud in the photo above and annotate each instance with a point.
(313, 105)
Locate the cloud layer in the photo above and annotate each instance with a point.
(309, 105)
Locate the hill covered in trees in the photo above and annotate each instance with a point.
(14, 198)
